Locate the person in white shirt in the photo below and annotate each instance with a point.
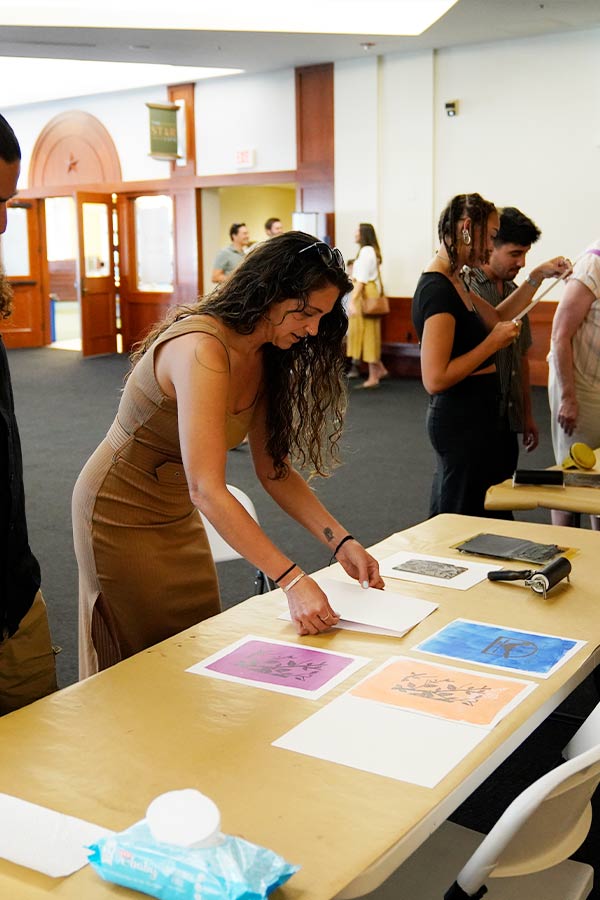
(364, 334)
(574, 362)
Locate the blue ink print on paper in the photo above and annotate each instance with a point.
(505, 648)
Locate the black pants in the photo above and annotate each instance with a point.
(472, 445)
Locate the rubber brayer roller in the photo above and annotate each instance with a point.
(541, 580)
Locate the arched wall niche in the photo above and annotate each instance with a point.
(74, 148)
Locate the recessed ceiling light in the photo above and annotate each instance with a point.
(24, 80)
(385, 17)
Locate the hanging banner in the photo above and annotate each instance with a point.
(163, 130)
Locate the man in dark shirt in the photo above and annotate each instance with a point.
(494, 282)
(27, 668)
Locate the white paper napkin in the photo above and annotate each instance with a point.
(43, 839)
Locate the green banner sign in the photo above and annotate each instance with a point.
(163, 131)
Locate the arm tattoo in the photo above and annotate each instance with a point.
(328, 534)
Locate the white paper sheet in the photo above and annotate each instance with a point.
(43, 839)
(459, 574)
(372, 611)
(400, 736)
(375, 738)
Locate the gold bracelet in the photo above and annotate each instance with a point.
(293, 582)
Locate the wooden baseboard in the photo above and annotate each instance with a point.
(402, 360)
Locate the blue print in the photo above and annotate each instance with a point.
(493, 645)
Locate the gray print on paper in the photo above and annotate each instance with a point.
(431, 567)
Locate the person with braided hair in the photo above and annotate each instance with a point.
(260, 355)
(460, 333)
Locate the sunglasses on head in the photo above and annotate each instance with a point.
(331, 256)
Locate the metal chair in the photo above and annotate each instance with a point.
(224, 552)
(525, 854)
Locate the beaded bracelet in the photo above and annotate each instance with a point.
(287, 572)
(348, 537)
(293, 582)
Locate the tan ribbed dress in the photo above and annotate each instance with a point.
(145, 568)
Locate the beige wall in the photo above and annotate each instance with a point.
(527, 135)
(246, 112)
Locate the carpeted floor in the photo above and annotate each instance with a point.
(65, 405)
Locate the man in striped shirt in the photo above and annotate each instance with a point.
(495, 282)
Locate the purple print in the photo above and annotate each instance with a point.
(299, 667)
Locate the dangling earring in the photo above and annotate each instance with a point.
(466, 236)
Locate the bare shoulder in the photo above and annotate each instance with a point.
(191, 356)
(199, 346)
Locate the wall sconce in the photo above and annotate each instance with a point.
(451, 108)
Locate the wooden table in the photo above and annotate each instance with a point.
(530, 496)
(104, 748)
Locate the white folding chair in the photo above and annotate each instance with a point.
(223, 552)
(525, 853)
(587, 736)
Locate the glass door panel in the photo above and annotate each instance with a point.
(154, 247)
(14, 244)
(96, 240)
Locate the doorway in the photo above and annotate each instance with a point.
(252, 204)
(22, 254)
(61, 243)
(82, 257)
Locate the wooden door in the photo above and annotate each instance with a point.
(147, 285)
(24, 262)
(96, 273)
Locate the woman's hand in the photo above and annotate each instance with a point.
(353, 309)
(360, 565)
(309, 607)
(552, 268)
(504, 333)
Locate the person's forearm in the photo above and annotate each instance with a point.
(240, 531)
(562, 356)
(295, 497)
(357, 290)
(521, 298)
(218, 276)
(457, 369)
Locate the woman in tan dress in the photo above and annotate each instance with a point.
(261, 355)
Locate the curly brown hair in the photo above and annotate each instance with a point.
(6, 296)
(462, 206)
(306, 395)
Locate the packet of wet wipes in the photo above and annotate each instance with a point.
(229, 869)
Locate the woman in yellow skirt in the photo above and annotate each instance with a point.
(364, 334)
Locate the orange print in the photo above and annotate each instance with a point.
(439, 690)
